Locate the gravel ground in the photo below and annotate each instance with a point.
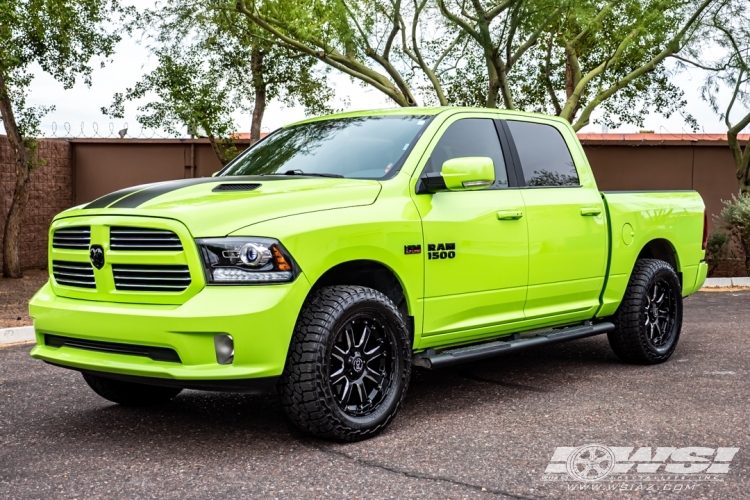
(15, 295)
(487, 430)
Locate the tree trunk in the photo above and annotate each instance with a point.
(11, 260)
(259, 85)
(218, 150)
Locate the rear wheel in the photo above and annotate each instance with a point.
(130, 393)
(349, 364)
(649, 319)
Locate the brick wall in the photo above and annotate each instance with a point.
(51, 192)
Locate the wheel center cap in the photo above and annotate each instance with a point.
(654, 310)
(357, 364)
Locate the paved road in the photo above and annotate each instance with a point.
(484, 431)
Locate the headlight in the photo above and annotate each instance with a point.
(243, 260)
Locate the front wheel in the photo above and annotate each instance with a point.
(349, 364)
(649, 318)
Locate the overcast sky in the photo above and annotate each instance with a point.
(80, 106)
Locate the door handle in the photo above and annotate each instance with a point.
(509, 215)
(591, 211)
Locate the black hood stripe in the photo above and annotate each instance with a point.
(106, 200)
(140, 197)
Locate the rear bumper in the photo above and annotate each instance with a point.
(261, 320)
(701, 276)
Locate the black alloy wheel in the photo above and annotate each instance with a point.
(349, 364)
(649, 318)
(361, 364)
(659, 315)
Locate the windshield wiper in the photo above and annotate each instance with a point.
(297, 171)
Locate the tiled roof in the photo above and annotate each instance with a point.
(657, 138)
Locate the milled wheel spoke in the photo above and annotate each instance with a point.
(373, 353)
(349, 335)
(346, 392)
(365, 337)
(361, 391)
(373, 375)
(338, 353)
(337, 373)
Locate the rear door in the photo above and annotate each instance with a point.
(566, 223)
(476, 262)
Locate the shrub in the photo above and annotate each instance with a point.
(735, 219)
(717, 249)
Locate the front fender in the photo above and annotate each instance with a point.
(319, 241)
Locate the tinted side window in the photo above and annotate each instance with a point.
(545, 158)
(470, 137)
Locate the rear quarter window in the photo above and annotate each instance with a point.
(545, 158)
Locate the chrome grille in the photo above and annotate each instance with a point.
(79, 274)
(151, 278)
(74, 238)
(137, 238)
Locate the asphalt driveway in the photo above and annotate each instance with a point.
(485, 430)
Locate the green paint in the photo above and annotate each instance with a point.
(504, 260)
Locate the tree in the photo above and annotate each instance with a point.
(727, 66)
(573, 57)
(211, 63)
(61, 36)
(357, 38)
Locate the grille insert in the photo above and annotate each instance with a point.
(137, 238)
(151, 278)
(236, 187)
(155, 353)
(74, 238)
(78, 274)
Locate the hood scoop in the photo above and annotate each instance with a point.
(238, 186)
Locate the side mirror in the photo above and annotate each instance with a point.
(468, 173)
(459, 174)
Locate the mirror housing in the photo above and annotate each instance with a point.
(468, 173)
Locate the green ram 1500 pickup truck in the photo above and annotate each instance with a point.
(332, 256)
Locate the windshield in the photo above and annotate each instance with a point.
(366, 148)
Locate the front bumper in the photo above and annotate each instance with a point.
(261, 320)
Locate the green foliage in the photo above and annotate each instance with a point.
(736, 215)
(735, 220)
(210, 64)
(723, 51)
(62, 37)
(717, 249)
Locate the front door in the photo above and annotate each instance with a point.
(476, 259)
(566, 221)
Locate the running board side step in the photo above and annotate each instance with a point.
(430, 359)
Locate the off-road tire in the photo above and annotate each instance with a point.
(308, 393)
(130, 393)
(631, 339)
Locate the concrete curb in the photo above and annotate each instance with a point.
(726, 282)
(17, 334)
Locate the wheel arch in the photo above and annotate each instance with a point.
(662, 249)
(372, 274)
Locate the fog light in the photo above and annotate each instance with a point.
(224, 349)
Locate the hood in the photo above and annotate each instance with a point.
(217, 206)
